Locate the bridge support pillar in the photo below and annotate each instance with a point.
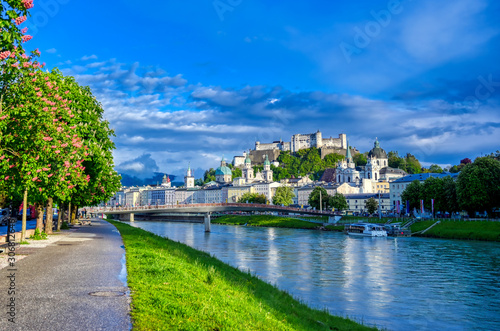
(207, 222)
(131, 215)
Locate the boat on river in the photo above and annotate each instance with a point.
(365, 230)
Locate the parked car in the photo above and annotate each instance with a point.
(28, 214)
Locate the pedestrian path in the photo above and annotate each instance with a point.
(74, 281)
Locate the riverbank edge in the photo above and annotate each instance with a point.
(459, 230)
(274, 221)
(176, 286)
(474, 230)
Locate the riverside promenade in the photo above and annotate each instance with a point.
(74, 281)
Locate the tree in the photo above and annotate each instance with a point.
(433, 188)
(478, 186)
(412, 164)
(434, 168)
(466, 161)
(252, 198)
(450, 198)
(237, 172)
(338, 201)
(394, 161)
(371, 205)
(360, 159)
(283, 196)
(413, 193)
(316, 196)
(209, 175)
(454, 169)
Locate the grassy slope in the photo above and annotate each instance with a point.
(266, 221)
(177, 287)
(472, 230)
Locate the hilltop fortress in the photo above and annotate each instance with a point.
(297, 142)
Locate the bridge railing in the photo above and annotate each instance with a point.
(200, 205)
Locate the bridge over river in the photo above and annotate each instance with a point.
(206, 209)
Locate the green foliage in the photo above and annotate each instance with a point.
(316, 196)
(412, 164)
(409, 163)
(478, 186)
(468, 230)
(434, 168)
(413, 193)
(237, 172)
(360, 159)
(283, 196)
(371, 205)
(338, 201)
(64, 226)
(38, 235)
(175, 287)
(209, 176)
(304, 162)
(252, 198)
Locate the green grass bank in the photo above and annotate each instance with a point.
(265, 221)
(175, 287)
(467, 230)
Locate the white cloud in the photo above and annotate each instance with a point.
(89, 57)
(51, 50)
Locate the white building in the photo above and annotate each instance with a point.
(357, 202)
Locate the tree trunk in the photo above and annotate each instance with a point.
(39, 216)
(49, 217)
(60, 213)
(73, 214)
(25, 207)
(69, 213)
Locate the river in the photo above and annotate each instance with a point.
(392, 283)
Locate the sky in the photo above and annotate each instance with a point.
(187, 82)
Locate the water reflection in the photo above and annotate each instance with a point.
(397, 284)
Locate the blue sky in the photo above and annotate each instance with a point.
(189, 81)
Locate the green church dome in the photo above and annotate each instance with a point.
(223, 170)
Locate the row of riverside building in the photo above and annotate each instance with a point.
(356, 183)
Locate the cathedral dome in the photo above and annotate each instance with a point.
(223, 170)
(377, 152)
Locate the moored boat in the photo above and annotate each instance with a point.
(365, 230)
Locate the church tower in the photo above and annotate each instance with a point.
(189, 179)
(267, 172)
(166, 181)
(377, 159)
(350, 162)
(248, 170)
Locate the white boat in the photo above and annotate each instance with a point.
(365, 230)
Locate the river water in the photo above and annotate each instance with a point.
(393, 283)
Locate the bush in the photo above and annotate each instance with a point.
(39, 235)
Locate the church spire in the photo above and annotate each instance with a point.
(348, 154)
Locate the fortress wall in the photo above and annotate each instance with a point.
(266, 147)
(258, 157)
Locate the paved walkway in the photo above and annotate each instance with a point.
(53, 283)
